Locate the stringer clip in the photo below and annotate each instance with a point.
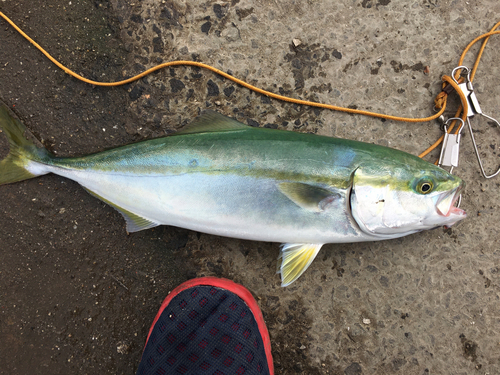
(473, 109)
(451, 146)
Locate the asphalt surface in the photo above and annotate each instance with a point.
(77, 294)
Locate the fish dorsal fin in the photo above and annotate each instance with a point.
(210, 122)
(307, 196)
(135, 223)
(295, 259)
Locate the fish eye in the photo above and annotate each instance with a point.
(425, 186)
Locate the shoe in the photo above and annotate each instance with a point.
(208, 326)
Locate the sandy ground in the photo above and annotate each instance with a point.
(77, 294)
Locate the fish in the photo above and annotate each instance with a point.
(222, 177)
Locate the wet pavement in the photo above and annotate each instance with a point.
(77, 294)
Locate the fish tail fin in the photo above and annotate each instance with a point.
(22, 150)
(295, 259)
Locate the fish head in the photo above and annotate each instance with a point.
(397, 199)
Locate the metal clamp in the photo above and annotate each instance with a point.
(451, 146)
(472, 110)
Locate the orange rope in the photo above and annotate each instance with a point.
(486, 37)
(225, 75)
(440, 100)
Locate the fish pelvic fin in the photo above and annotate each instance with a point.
(135, 223)
(295, 259)
(22, 150)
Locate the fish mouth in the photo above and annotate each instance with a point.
(447, 204)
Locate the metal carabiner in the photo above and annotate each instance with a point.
(477, 151)
(462, 69)
(473, 109)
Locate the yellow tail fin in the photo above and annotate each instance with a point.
(22, 150)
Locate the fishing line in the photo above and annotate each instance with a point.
(440, 101)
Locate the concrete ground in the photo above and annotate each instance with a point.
(77, 294)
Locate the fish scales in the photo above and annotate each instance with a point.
(230, 190)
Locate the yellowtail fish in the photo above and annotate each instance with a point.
(222, 177)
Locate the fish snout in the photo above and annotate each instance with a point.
(448, 202)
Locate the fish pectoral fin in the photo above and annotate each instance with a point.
(307, 196)
(210, 122)
(295, 259)
(134, 222)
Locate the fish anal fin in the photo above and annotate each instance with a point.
(134, 222)
(307, 196)
(210, 122)
(295, 259)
